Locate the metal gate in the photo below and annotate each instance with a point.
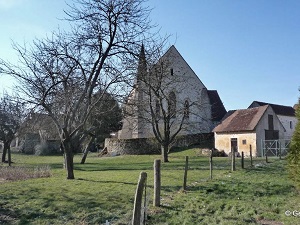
(275, 147)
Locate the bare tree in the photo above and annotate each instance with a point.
(11, 114)
(168, 101)
(61, 74)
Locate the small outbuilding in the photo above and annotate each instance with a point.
(246, 128)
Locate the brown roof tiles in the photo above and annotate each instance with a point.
(242, 120)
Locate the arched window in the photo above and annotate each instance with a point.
(157, 108)
(172, 104)
(186, 111)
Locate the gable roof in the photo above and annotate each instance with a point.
(242, 120)
(172, 51)
(278, 109)
(218, 110)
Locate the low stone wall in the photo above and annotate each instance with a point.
(147, 146)
(139, 146)
(206, 139)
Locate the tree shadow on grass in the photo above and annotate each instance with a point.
(107, 181)
(113, 166)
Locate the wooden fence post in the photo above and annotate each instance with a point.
(232, 159)
(136, 219)
(185, 172)
(266, 157)
(157, 182)
(242, 160)
(211, 164)
(279, 150)
(251, 162)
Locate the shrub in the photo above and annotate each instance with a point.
(42, 149)
(47, 148)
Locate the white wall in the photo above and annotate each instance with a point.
(289, 123)
(187, 86)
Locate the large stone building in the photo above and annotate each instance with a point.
(177, 90)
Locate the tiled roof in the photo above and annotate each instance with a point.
(242, 120)
(229, 113)
(217, 107)
(278, 109)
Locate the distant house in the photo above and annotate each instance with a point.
(241, 129)
(286, 115)
(38, 129)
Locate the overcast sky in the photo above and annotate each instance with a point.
(247, 50)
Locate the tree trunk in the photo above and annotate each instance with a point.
(86, 150)
(9, 155)
(68, 156)
(4, 152)
(164, 152)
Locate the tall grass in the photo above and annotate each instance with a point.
(22, 173)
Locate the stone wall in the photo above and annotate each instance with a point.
(138, 146)
(143, 146)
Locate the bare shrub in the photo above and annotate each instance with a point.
(23, 173)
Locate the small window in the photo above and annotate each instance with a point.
(172, 71)
(244, 142)
(270, 122)
(291, 124)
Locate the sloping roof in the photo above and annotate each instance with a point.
(229, 113)
(278, 109)
(242, 120)
(217, 107)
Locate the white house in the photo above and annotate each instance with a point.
(190, 100)
(286, 115)
(245, 129)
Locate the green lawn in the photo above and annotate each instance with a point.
(104, 189)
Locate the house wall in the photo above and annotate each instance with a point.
(263, 125)
(223, 142)
(289, 123)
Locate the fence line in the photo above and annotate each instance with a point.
(142, 196)
(277, 147)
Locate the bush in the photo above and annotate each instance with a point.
(47, 148)
(42, 149)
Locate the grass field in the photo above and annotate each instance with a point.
(104, 189)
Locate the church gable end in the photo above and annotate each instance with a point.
(183, 98)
